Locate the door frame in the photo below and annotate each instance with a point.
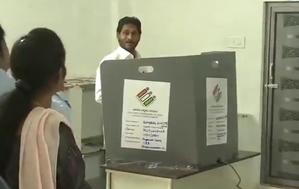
(270, 9)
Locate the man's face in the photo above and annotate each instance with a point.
(129, 37)
(4, 56)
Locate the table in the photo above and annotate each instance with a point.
(136, 176)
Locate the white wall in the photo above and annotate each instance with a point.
(176, 28)
(170, 28)
(191, 27)
(84, 26)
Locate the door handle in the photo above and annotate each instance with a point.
(271, 71)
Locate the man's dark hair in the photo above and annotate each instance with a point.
(2, 35)
(129, 20)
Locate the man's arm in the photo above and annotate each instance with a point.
(98, 87)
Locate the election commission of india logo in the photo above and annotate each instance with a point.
(146, 97)
(217, 93)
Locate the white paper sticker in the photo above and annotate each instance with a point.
(216, 111)
(145, 115)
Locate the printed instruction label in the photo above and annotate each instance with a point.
(145, 115)
(216, 111)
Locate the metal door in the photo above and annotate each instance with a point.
(281, 114)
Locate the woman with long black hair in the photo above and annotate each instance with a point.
(38, 65)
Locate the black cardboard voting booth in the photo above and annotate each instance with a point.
(187, 117)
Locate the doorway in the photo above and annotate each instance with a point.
(280, 111)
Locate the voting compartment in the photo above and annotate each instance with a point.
(172, 110)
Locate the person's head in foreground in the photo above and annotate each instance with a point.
(4, 53)
(38, 65)
(129, 33)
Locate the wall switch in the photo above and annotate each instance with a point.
(237, 42)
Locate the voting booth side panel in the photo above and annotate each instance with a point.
(216, 107)
(150, 116)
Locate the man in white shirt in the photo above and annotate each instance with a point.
(128, 34)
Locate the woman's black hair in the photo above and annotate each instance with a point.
(36, 60)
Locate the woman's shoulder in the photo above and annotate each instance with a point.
(66, 135)
(65, 130)
(67, 141)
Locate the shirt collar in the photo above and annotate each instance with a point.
(124, 54)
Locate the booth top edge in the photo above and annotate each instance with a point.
(209, 53)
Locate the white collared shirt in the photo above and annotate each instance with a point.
(7, 83)
(9, 73)
(118, 54)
